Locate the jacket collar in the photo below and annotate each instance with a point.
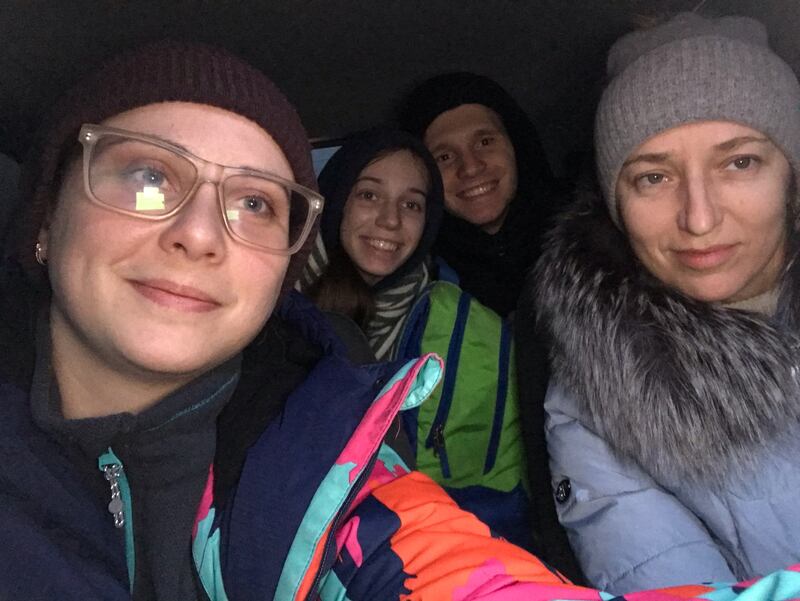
(688, 389)
(190, 408)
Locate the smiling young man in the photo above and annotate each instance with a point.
(499, 194)
(477, 163)
(498, 186)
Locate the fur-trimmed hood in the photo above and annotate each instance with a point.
(687, 389)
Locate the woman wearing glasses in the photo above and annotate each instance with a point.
(175, 424)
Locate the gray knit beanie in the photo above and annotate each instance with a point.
(693, 69)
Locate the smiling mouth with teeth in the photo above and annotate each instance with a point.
(381, 244)
(479, 190)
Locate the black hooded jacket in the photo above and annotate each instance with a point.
(492, 267)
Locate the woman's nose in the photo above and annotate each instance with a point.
(388, 215)
(700, 212)
(198, 230)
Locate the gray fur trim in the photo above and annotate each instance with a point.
(685, 388)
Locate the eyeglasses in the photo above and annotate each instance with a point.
(149, 178)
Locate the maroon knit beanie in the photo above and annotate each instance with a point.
(160, 72)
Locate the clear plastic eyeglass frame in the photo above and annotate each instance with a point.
(91, 134)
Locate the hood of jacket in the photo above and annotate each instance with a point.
(688, 389)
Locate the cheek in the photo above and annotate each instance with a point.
(354, 219)
(258, 283)
(775, 213)
(762, 213)
(346, 228)
(347, 222)
(634, 221)
(645, 225)
(79, 230)
(88, 235)
(511, 163)
(770, 228)
(414, 229)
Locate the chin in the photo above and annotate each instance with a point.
(171, 365)
(713, 292)
(177, 357)
(377, 272)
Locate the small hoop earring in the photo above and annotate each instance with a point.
(39, 254)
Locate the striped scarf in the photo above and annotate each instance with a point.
(392, 307)
(315, 266)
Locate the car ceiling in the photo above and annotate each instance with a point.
(344, 63)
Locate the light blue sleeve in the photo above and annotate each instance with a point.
(628, 533)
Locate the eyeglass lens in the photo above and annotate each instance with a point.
(144, 179)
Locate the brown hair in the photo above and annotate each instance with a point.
(341, 289)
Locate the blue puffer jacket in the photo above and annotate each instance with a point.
(672, 424)
(668, 532)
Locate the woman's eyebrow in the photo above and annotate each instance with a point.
(378, 180)
(739, 141)
(650, 157)
(370, 178)
(726, 146)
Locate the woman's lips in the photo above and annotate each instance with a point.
(175, 296)
(706, 258)
(381, 244)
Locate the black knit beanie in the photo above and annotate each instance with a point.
(341, 172)
(447, 91)
(160, 72)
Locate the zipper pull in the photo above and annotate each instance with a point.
(112, 473)
(438, 439)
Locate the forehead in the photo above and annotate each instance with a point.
(209, 132)
(399, 164)
(463, 121)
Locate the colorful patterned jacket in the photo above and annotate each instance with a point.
(322, 507)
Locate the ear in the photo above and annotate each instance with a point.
(43, 238)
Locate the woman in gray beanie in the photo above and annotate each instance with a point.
(672, 300)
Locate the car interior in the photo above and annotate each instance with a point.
(346, 63)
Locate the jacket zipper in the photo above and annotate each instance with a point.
(120, 504)
(438, 443)
(503, 373)
(436, 439)
(360, 481)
